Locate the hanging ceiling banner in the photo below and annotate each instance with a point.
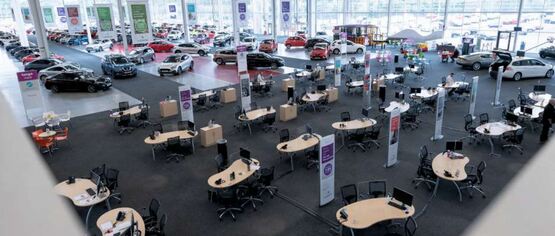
(242, 13)
(48, 15)
(74, 23)
(192, 13)
(105, 21)
(172, 11)
(26, 15)
(285, 14)
(141, 32)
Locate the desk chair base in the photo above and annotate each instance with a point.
(231, 211)
(472, 138)
(312, 163)
(144, 124)
(354, 146)
(272, 190)
(375, 142)
(128, 130)
(417, 181)
(201, 108)
(476, 188)
(270, 128)
(116, 196)
(511, 146)
(252, 200)
(175, 157)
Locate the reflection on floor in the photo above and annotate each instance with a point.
(79, 104)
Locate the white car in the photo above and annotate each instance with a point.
(175, 64)
(192, 48)
(57, 69)
(65, 39)
(99, 45)
(335, 47)
(517, 68)
(175, 35)
(5, 40)
(250, 42)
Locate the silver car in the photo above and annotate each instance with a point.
(476, 61)
(141, 54)
(57, 69)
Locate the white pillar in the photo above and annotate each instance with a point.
(235, 22)
(309, 19)
(20, 25)
(274, 19)
(518, 23)
(389, 17)
(220, 15)
(86, 18)
(122, 27)
(38, 22)
(184, 12)
(345, 11)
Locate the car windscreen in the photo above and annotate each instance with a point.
(248, 40)
(134, 52)
(171, 59)
(120, 60)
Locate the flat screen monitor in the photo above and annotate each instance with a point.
(321, 87)
(453, 145)
(402, 196)
(308, 129)
(308, 67)
(528, 110)
(399, 95)
(415, 90)
(191, 125)
(399, 69)
(511, 117)
(411, 66)
(365, 112)
(539, 88)
(244, 153)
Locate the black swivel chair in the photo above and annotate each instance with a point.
(376, 189)
(219, 159)
(323, 104)
(514, 140)
(267, 88)
(248, 194)
(373, 135)
(357, 140)
(484, 118)
(283, 135)
(425, 173)
(143, 117)
(254, 106)
(269, 121)
(265, 181)
(410, 228)
(124, 124)
(345, 116)
(312, 158)
(349, 194)
(474, 180)
(152, 216)
(173, 145)
(158, 127)
(215, 99)
(524, 100)
(99, 170)
(512, 105)
(123, 106)
(200, 105)
(410, 118)
(112, 183)
(470, 129)
(158, 230)
(182, 125)
(228, 199)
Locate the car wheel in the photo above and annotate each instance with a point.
(542, 55)
(43, 78)
(178, 71)
(476, 66)
(274, 66)
(191, 66)
(91, 89)
(517, 76)
(141, 60)
(201, 53)
(549, 74)
(89, 51)
(101, 49)
(220, 61)
(54, 89)
(359, 51)
(177, 51)
(161, 74)
(336, 51)
(288, 46)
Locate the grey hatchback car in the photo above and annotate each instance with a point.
(476, 61)
(224, 56)
(141, 54)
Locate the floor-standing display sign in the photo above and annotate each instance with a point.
(26, 14)
(343, 36)
(30, 92)
(105, 21)
(242, 13)
(285, 14)
(141, 32)
(496, 102)
(473, 94)
(244, 77)
(327, 169)
(393, 142)
(192, 13)
(440, 105)
(337, 70)
(74, 23)
(367, 98)
(186, 103)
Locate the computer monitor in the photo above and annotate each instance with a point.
(411, 66)
(321, 87)
(191, 125)
(244, 153)
(308, 67)
(400, 95)
(365, 112)
(402, 196)
(308, 129)
(539, 88)
(399, 69)
(415, 90)
(511, 117)
(453, 145)
(528, 110)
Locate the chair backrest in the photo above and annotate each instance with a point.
(283, 135)
(484, 118)
(144, 113)
(201, 100)
(158, 127)
(375, 131)
(345, 116)
(173, 142)
(519, 136)
(349, 194)
(254, 106)
(480, 172)
(270, 118)
(423, 153)
(267, 175)
(112, 178)
(99, 170)
(376, 188)
(182, 125)
(124, 120)
(154, 207)
(512, 105)
(467, 122)
(504, 112)
(162, 224)
(216, 96)
(410, 226)
(123, 106)
(219, 162)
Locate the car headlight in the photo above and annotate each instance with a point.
(173, 67)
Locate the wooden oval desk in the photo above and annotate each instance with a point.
(312, 98)
(365, 213)
(163, 138)
(208, 94)
(298, 144)
(495, 129)
(253, 115)
(541, 99)
(241, 170)
(453, 85)
(116, 226)
(346, 126)
(403, 107)
(455, 167)
(77, 192)
(425, 93)
(131, 111)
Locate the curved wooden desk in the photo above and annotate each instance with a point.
(163, 138)
(402, 107)
(365, 213)
(495, 129)
(208, 94)
(313, 97)
(353, 124)
(453, 85)
(541, 99)
(117, 227)
(356, 83)
(298, 144)
(131, 111)
(442, 163)
(241, 170)
(255, 114)
(425, 93)
(536, 110)
(77, 192)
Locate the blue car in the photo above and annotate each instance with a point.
(78, 40)
(117, 65)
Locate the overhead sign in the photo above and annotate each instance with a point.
(186, 103)
(242, 13)
(105, 21)
(48, 15)
(327, 169)
(61, 11)
(30, 91)
(74, 23)
(393, 142)
(367, 98)
(172, 8)
(192, 13)
(285, 14)
(440, 105)
(473, 94)
(337, 71)
(140, 21)
(26, 14)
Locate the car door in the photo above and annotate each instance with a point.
(486, 59)
(351, 47)
(251, 60)
(54, 70)
(524, 68)
(538, 67)
(188, 47)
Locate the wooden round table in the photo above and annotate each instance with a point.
(365, 213)
(47, 134)
(403, 107)
(425, 93)
(450, 169)
(77, 193)
(495, 129)
(541, 99)
(163, 138)
(108, 225)
(131, 111)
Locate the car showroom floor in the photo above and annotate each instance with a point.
(181, 187)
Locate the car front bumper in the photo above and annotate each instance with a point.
(166, 71)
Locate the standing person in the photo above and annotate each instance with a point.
(547, 119)
(449, 81)
(455, 55)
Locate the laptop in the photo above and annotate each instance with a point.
(539, 89)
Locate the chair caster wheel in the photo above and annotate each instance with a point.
(484, 197)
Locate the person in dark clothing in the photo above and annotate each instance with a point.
(455, 55)
(547, 119)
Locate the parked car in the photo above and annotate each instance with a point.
(34, 56)
(261, 59)
(11, 46)
(161, 46)
(320, 51)
(294, 41)
(13, 51)
(77, 81)
(192, 48)
(223, 40)
(224, 56)
(301, 33)
(161, 33)
(518, 68)
(175, 35)
(59, 37)
(25, 52)
(118, 65)
(78, 39)
(313, 41)
(65, 39)
(57, 69)
(335, 47)
(201, 38)
(12, 41)
(5, 40)
(268, 46)
(41, 64)
(175, 64)
(476, 61)
(141, 54)
(547, 52)
(99, 45)
(250, 42)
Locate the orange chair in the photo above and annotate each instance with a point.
(62, 136)
(45, 143)
(36, 133)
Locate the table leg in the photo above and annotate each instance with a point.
(459, 190)
(249, 125)
(434, 193)
(291, 158)
(193, 144)
(153, 154)
(492, 148)
(343, 133)
(88, 216)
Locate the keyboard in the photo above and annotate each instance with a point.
(396, 205)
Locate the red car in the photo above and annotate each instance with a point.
(295, 41)
(161, 34)
(34, 56)
(161, 46)
(53, 36)
(320, 51)
(268, 46)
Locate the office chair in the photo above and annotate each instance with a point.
(228, 200)
(123, 106)
(254, 106)
(470, 129)
(312, 158)
(373, 135)
(182, 125)
(215, 99)
(512, 105)
(266, 89)
(322, 104)
(429, 104)
(269, 120)
(524, 100)
(357, 139)
(112, 183)
(301, 104)
(200, 105)
(424, 173)
(158, 127)
(349, 194)
(124, 123)
(514, 140)
(410, 118)
(265, 180)
(382, 115)
(152, 216)
(99, 170)
(376, 189)
(409, 228)
(248, 193)
(173, 145)
(484, 118)
(345, 116)
(158, 230)
(62, 135)
(460, 91)
(46, 144)
(348, 86)
(143, 117)
(283, 135)
(474, 181)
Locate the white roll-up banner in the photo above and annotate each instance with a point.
(337, 73)
(245, 91)
(285, 14)
(327, 169)
(139, 12)
(473, 94)
(393, 141)
(440, 105)
(242, 14)
(105, 21)
(343, 36)
(74, 22)
(192, 13)
(30, 91)
(186, 103)
(367, 98)
(241, 58)
(498, 86)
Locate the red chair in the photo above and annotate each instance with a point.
(45, 143)
(62, 135)
(36, 133)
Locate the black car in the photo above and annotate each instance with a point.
(547, 52)
(312, 41)
(40, 64)
(261, 59)
(222, 40)
(77, 81)
(25, 52)
(12, 46)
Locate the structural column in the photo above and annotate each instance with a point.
(389, 17)
(518, 23)
(185, 13)
(235, 22)
(40, 30)
(274, 18)
(122, 26)
(310, 18)
(20, 25)
(86, 18)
